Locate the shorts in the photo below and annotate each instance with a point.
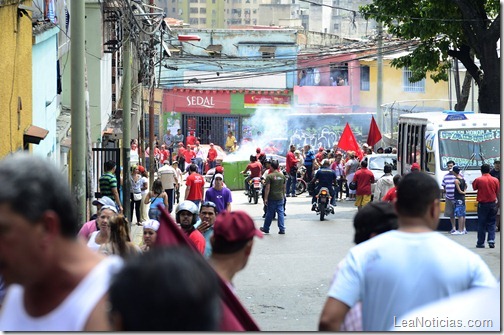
(449, 208)
(362, 200)
(460, 209)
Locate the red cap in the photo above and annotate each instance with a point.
(339, 153)
(415, 167)
(191, 132)
(258, 150)
(219, 169)
(197, 143)
(141, 169)
(235, 227)
(320, 149)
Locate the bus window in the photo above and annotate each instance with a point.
(431, 162)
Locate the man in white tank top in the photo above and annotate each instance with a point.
(56, 283)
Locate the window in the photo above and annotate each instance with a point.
(173, 10)
(213, 1)
(193, 10)
(339, 74)
(202, 21)
(193, 21)
(202, 10)
(267, 52)
(364, 78)
(336, 27)
(202, 1)
(418, 87)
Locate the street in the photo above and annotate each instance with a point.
(285, 282)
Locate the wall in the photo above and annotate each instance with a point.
(16, 70)
(45, 99)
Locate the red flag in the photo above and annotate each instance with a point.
(348, 142)
(234, 316)
(374, 134)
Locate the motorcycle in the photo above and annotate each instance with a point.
(323, 204)
(255, 189)
(301, 184)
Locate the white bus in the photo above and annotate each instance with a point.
(434, 138)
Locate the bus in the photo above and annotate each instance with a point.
(432, 139)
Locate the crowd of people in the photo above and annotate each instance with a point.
(58, 277)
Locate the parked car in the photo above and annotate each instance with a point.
(376, 163)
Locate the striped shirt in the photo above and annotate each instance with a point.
(107, 181)
(449, 186)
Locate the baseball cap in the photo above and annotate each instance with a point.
(232, 230)
(211, 144)
(320, 149)
(191, 132)
(180, 144)
(258, 150)
(112, 208)
(151, 224)
(219, 169)
(456, 169)
(166, 162)
(141, 169)
(104, 201)
(218, 175)
(415, 167)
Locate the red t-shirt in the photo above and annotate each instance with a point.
(212, 154)
(191, 140)
(198, 239)
(188, 154)
(255, 169)
(364, 177)
(290, 161)
(390, 195)
(165, 155)
(319, 156)
(487, 187)
(196, 182)
(181, 152)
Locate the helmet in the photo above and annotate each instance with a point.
(187, 206)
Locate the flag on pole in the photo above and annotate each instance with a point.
(234, 317)
(374, 134)
(348, 142)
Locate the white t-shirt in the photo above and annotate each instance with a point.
(472, 310)
(72, 314)
(395, 272)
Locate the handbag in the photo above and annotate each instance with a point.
(353, 185)
(137, 196)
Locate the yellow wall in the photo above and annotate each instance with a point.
(16, 76)
(393, 86)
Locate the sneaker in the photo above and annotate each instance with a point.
(262, 229)
(480, 245)
(463, 232)
(491, 245)
(287, 195)
(348, 199)
(282, 232)
(294, 196)
(455, 232)
(314, 206)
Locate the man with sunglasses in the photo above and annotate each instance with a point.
(208, 213)
(219, 194)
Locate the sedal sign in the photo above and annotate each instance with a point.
(199, 101)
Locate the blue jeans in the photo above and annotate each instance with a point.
(278, 207)
(291, 184)
(487, 213)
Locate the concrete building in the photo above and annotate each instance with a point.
(218, 83)
(16, 85)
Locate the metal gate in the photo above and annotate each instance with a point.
(212, 128)
(100, 156)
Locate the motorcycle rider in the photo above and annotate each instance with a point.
(255, 169)
(326, 178)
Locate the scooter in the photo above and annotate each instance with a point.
(255, 189)
(324, 206)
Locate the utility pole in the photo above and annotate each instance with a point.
(151, 104)
(379, 80)
(78, 118)
(126, 116)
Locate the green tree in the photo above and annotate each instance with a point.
(463, 29)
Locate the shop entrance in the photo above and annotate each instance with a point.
(212, 129)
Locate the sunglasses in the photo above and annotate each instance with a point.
(209, 204)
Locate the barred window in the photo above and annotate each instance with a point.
(418, 87)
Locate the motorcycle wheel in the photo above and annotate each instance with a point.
(249, 197)
(256, 197)
(300, 186)
(322, 207)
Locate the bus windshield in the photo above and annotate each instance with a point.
(469, 147)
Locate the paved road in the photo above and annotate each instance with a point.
(284, 285)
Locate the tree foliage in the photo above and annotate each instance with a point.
(447, 28)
